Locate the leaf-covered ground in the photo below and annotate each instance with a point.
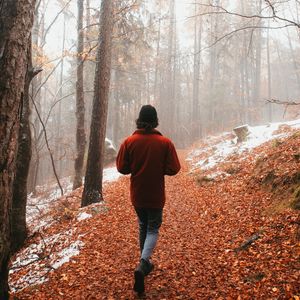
(229, 237)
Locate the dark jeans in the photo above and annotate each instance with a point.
(150, 220)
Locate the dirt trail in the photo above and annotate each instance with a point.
(194, 258)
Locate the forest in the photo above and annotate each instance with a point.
(224, 77)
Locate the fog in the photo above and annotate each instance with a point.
(207, 66)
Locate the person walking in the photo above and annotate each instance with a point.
(147, 155)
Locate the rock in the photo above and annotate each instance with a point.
(242, 133)
(110, 153)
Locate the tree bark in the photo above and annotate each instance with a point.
(196, 79)
(58, 152)
(117, 107)
(37, 52)
(19, 201)
(167, 101)
(270, 110)
(257, 70)
(16, 18)
(80, 107)
(92, 192)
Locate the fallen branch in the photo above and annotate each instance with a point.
(282, 102)
(247, 243)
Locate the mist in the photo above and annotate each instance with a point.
(207, 66)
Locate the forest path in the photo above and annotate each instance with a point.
(194, 258)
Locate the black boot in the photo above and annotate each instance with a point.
(148, 267)
(142, 270)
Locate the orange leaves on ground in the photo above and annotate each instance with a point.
(203, 225)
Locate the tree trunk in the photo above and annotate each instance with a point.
(257, 70)
(80, 108)
(196, 80)
(58, 126)
(157, 65)
(294, 59)
(19, 201)
(37, 51)
(213, 63)
(92, 192)
(167, 99)
(16, 19)
(270, 112)
(117, 108)
(281, 76)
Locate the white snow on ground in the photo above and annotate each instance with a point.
(65, 254)
(110, 174)
(83, 215)
(257, 136)
(52, 252)
(44, 256)
(37, 206)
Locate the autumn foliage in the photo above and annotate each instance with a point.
(232, 237)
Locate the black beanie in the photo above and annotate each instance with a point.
(147, 114)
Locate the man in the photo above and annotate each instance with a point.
(147, 156)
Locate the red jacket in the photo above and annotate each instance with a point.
(147, 156)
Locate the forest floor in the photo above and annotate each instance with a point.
(231, 236)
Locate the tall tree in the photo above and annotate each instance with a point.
(92, 192)
(37, 53)
(196, 79)
(257, 65)
(167, 105)
(80, 108)
(19, 201)
(269, 76)
(16, 18)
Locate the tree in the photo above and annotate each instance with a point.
(167, 105)
(16, 18)
(19, 201)
(196, 79)
(80, 109)
(92, 192)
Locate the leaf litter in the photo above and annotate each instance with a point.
(204, 223)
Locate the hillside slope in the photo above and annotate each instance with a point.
(229, 232)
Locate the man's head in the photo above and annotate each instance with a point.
(147, 118)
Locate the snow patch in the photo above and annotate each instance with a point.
(38, 206)
(67, 253)
(217, 151)
(110, 174)
(83, 215)
(42, 257)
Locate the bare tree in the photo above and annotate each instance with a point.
(16, 20)
(196, 71)
(167, 105)
(80, 108)
(93, 178)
